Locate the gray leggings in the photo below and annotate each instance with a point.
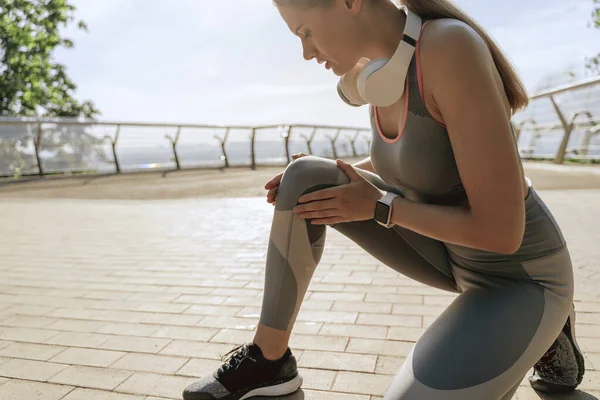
(504, 319)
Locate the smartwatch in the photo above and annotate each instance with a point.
(383, 210)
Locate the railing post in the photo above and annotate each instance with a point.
(585, 145)
(286, 139)
(114, 149)
(309, 140)
(36, 145)
(587, 137)
(333, 140)
(252, 150)
(175, 142)
(352, 141)
(560, 154)
(174, 145)
(223, 142)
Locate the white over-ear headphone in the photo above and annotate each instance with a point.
(381, 81)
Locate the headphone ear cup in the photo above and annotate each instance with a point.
(348, 87)
(363, 78)
(343, 93)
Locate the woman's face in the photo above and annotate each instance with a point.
(329, 34)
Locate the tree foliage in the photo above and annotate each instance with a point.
(593, 64)
(33, 84)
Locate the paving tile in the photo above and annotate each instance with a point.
(185, 333)
(233, 336)
(337, 361)
(29, 369)
(327, 316)
(162, 307)
(228, 322)
(127, 329)
(375, 308)
(203, 309)
(380, 347)
(79, 339)
(310, 342)
(30, 309)
(360, 383)
(389, 320)
(137, 344)
(93, 394)
(389, 365)
(316, 378)
(27, 321)
(351, 330)
(393, 298)
(29, 390)
(88, 357)
(152, 312)
(31, 351)
(186, 348)
(150, 363)
(91, 377)
(199, 367)
(403, 333)
(155, 385)
(172, 319)
(26, 334)
(76, 325)
(329, 395)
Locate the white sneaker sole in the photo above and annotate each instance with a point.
(277, 390)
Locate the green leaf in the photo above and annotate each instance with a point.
(31, 82)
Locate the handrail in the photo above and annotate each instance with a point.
(567, 88)
(566, 122)
(68, 121)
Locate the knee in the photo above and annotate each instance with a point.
(307, 174)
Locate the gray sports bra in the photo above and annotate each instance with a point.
(420, 159)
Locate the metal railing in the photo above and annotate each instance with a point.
(565, 119)
(49, 146)
(35, 130)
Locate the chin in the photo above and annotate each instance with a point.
(336, 71)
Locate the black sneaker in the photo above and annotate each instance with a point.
(246, 373)
(561, 369)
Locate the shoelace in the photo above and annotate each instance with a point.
(238, 354)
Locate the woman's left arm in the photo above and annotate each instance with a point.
(463, 81)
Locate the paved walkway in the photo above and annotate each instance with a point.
(131, 300)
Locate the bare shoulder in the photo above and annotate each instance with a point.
(448, 31)
(450, 50)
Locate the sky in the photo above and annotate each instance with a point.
(235, 62)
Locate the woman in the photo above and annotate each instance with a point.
(441, 199)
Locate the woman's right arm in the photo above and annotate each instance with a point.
(365, 164)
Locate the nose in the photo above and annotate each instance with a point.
(308, 51)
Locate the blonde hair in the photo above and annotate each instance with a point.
(437, 9)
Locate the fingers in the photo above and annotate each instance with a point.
(298, 155)
(323, 194)
(274, 182)
(326, 213)
(271, 195)
(309, 208)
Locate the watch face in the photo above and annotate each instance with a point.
(381, 212)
